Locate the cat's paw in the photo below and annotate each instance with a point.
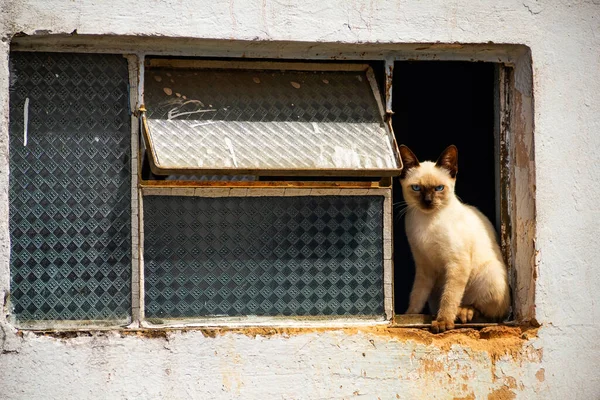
(466, 314)
(442, 324)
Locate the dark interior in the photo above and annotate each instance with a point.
(436, 104)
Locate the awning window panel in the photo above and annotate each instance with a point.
(266, 121)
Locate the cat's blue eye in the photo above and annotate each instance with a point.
(416, 188)
(439, 188)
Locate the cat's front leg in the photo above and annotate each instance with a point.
(420, 292)
(457, 276)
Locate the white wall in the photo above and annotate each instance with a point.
(558, 362)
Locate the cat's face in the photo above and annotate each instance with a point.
(428, 186)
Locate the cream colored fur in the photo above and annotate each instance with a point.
(459, 265)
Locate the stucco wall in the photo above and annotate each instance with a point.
(555, 362)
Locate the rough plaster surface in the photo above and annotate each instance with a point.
(564, 38)
(338, 364)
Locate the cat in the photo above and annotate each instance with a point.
(459, 266)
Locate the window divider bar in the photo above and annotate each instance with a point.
(389, 78)
(134, 64)
(141, 298)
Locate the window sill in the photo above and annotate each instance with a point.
(424, 321)
(246, 324)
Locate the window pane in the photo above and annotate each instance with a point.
(70, 187)
(290, 256)
(256, 121)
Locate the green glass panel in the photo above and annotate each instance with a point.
(271, 256)
(70, 187)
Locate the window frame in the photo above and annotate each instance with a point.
(514, 137)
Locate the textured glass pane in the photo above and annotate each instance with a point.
(261, 120)
(70, 201)
(263, 256)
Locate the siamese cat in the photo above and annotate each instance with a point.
(459, 265)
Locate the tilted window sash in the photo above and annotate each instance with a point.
(265, 118)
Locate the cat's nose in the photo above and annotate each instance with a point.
(427, 199)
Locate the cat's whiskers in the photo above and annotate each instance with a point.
(401, 212)
(400, 208)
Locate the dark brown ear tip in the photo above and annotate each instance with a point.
(452, 148)
(405, 152)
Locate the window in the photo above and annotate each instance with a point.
(266, 256)
(155, 191)
(210, 246)
(273, 249)
(70, 188)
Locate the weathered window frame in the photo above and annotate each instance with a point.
(380, 185)
(514, 133)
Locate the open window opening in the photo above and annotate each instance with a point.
(436, 104)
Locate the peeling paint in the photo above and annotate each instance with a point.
(503, 393)
(541, 375)
(497, 341)
(523, 203)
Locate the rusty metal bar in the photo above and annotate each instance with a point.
(389, 77)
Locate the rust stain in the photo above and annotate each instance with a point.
(470, 396)
(446, 46)
(429, 366)
(503, 393)
(510, 382)
(146, 333)
(497, 341)
(541, 375)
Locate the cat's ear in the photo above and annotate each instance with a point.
(449, 160)
(409, 160)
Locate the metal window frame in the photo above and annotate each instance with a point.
(380, 185)
(516, 112)
(250, 320)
